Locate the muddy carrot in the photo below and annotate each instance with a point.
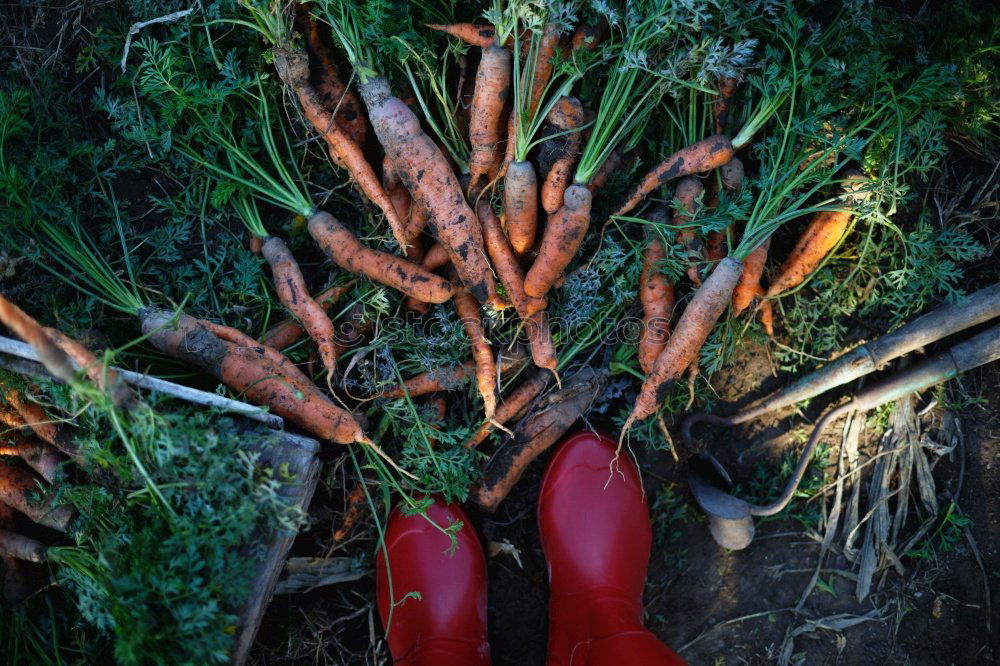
(486, 120)
(720, 107)
(345, 250)
(286, 333)
(748, 288)
(474, 34)
(39, 456)
(46, 428)
(336, 97)
(656, 293)
(16, 546)
(505, 262)
(482, 354)
(687, 193)
(563, 236)
(520, 200)
(353, 511)
(514, 405)
(731, 174)
(19, 490)
(567, 114)
(446, 379)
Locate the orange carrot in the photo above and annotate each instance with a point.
(55, 360)
(355, 507)
(336, 97)
(105, 378)
(656, 293)
(520, 201)
(588, 36)
(341, 246)
(615, 162)
(513, 406)
(720, 107)
(543, 351)
(251, 371)
(19, 490)
(294, 295)
(562, 238)
(482, 36)
(39, 456)
(689, 335)
(446, 379)
(748, 288)
(822, 235)
(505, 262)
(543, 64)
(687, 193)
(731, 174)
(488, 101)
(15, 546)
(293, 68)
(34, 417)
(482, 354)
(432, 184)
(767, 318)
(566, 114)
(435, 258)
(286, 333)
(440, 406)
(704, 155)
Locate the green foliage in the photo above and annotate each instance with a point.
(947, 535)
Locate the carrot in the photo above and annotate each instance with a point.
(767, 318)
(435, 258)
(566, 114)
(616, 161)
(440, 405)
(748, 288)
(293, 68)
(286, 333)
(39, 456)
(488, 101)
(19, 490)
(482, 354)
(720, 107)
(535, 435)
(823, 233)
(520, 202)
(512, 407)
(731, 174)
(687, 193)
(341, 246)
(397, 192)
(543, 352)
(336, 97)
(482, 36)
(294, 295)
(353, 510)
(55, 360)
(505, 262)
(432, 184)
(544, 64)
(19, 547)
(656, 293)
(34, 417)
(588, 36)
(704, 155)
(689, 335)
(252, 371)
(445, 379)
(562, 238)
(104, 377)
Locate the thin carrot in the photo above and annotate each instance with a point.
(513, 406)
(731, 174)
(656, 293)
(482, 354)
(294, 295)
(687, 193)
(488, 102)
(25, 327)
(616, 162)
(32, 416)
(543, 351)
(520, 201)
(567, 114)
(345, 250)
(822, 235)
(39, 456)
(482, 36)
(104, 377)
(720, 107)
(505, 262)
(293, 68)
(19, 490)
(446, 379)
(704, 155)
(563, 235)
(544, 64)
(440, 405)
(353, 511)
(287, 332)
(689, 335)
(253, 372)
(432, 184)
(748, 288)
(335, 96)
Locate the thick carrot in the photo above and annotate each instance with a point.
(505, 262)
(748, 288)
(252, 372)
(353, 511)
(39, 456)
(543, 65)
(432, 184)
(513, 406)
(336, 97)
(294, 295)
(823, 233)
(244, 341)
(687, 193)
(562, 238)
(446, 379)
(656, 293)
(482, 36)
(435, 258)
(520, 201)
(689, 335)
(293, 68)
(16, 546)
(19, 490)
(341, 246)
(287, 332)
(488, 101)
(482, 354)
(720, 107)
(566, 114)
(704, 155)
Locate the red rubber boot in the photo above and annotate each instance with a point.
(596, 541)
(446, 626)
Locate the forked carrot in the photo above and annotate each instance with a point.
(563, 236)
(345, 250)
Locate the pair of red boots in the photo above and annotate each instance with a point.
(596, 537)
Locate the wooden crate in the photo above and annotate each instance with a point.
(294, 451)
